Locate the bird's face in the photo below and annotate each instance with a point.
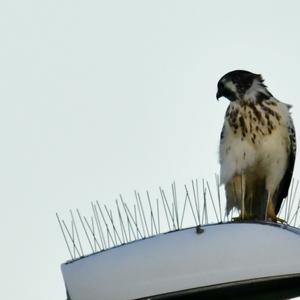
(240, 85)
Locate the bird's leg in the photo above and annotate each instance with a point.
(269, 200)
(270, 211)
(239, 187)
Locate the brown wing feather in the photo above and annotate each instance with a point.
(284, 185)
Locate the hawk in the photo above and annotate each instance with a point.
(257, 147)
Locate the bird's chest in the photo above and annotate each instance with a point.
(252, 122)
(252, 134)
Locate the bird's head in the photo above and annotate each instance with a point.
(242, 86)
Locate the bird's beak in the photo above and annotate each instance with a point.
(219, 95)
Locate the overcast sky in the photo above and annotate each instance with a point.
(104, 97)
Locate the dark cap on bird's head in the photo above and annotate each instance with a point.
(235, 84)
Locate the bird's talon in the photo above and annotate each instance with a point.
(280, 221)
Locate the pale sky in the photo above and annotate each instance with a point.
(104, 97)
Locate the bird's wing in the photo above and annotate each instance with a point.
(284, 185)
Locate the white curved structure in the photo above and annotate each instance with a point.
(185, 260)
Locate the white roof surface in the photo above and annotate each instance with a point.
(183, 260)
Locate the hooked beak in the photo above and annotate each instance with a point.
(219, 95)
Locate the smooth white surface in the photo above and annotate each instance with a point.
(183, 260)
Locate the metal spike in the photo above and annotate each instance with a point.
(63, 233)
(296, 215)
(175, 214)
(196, 203)
(288, 199)
(153, 224)
(92, 233)
(124, 235)
(294, 218)
(212, 200)
(143, 214)
(71, 238)
(108, 233)
(158, 218)
(129, 225)
(99, 227)
(76, 230)
(140, 213)
(128, 213)
(116, 235)
(165, 209)
(204, 211)
(135, 219)
(86, 234)
(168, 208)
(218, 194)
(191, 206)
(293, 199)
(183, 211)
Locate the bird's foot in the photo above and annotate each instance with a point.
(276, 219)
(282, 221)
(271, 216)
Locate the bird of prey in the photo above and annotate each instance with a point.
(257, 147)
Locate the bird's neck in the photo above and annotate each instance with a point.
(256, 93)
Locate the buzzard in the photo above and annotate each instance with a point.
(257, 147)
